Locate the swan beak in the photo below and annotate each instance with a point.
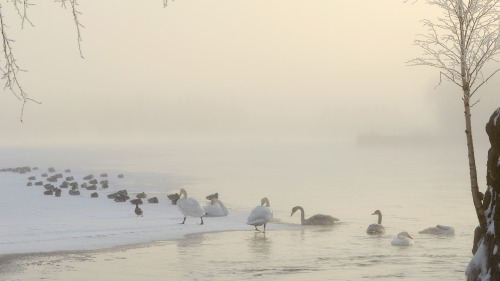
(373, 214)
(409, 236)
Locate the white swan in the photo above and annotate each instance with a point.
(189, 206)
(376, 228)
(216, 209)
(318, 219)
(439, 230)
(403, 239)
(260, 215)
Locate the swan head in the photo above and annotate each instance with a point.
(377, 212)
(294, 209)
(404, 234)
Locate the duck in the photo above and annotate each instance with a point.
(318, 219)
(376, 228)
(403, 239)
(260, 215)
(189, 206)
(439, 230)
(215, 209)
(138, 211)
(213, 196)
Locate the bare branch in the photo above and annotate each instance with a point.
(76, 19)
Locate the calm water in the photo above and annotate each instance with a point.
(414, 187)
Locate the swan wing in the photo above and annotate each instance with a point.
(321, 219)
(213, 211)
(375, 228)
(190, 207)
(260, 215)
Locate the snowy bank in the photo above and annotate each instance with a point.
(33, 222)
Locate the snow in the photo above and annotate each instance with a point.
(479, 262)
(33, 222)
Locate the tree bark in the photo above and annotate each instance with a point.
(476, 195)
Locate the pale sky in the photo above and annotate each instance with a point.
(229, 71)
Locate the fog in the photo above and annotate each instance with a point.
(238, 71)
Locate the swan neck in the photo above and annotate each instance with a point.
(183, 193)
(379, 218)
(302, 215)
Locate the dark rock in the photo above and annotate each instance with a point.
(153, 200)
(35, 168)
(70, 178)
(104, 185)
(48, 186)
(94, 181)
(88, 177)
(64, 184)
(74, 184)
(92, 187)
(39, 183)
(104, 175)
(94, 195)
(44, 175)
(84, 185)
(29, 184)
(52, 170)
(67, 171)
(121, 176)
(48, 192)
(32, 178)
(57, 192)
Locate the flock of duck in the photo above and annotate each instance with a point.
(261, 214)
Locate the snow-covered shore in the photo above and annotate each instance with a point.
(33, 222)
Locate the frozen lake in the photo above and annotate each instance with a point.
(414, 188)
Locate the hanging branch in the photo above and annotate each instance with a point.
(76, 19)
(10, 68)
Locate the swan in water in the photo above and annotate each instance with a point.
(376, 228)
(260, 215)
(216, 209)
(189, 206)
(138, 211)
(403, 239)
(318, 219)
(439, 230)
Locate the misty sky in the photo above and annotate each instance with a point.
(229, 70)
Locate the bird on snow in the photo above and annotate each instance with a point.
(260, 215)
(215, 209)
(138, 211)
(189, 206)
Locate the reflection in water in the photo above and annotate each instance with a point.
(259, 245)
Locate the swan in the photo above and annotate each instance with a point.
(403, 239)
(189, 206)
(216, 209)
(260, 215)
(376, 228)
(138, 211)
(439, 230)
(318, 219)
